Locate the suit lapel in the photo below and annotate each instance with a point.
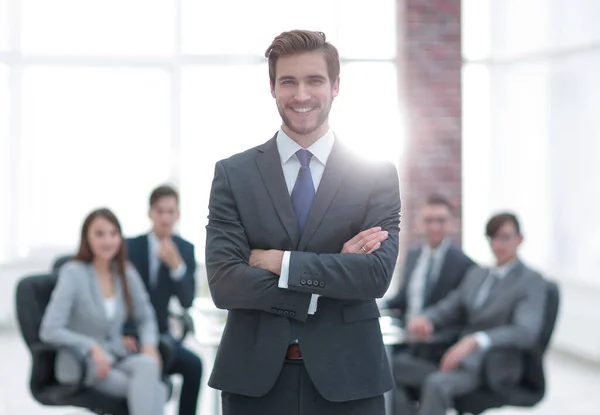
(96, 293)
(328, 187)
(269, 166)
(443, 277)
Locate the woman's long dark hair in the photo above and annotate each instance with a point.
(85, 252)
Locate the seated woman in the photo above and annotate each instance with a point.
(96, 293)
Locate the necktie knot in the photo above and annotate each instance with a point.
(304, 157)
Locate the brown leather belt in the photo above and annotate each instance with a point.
(293, 352)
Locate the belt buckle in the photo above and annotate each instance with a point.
(293, 352)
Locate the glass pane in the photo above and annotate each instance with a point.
(3, 25)
(91, 138)
(574, 24)
(367, 31)
(514, 31)
(476, 30)
(98, 27)
(225, 110)
(574, 166)
(248, 27)
(366, 114)
(4, 164)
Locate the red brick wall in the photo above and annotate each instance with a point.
(429, 71)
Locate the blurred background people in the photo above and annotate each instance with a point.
(502, 306)
(167, 265)
(96, 292)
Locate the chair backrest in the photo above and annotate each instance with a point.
(32, 297)
(59, 262)
(552, 307)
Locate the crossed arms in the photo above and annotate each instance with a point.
(235, 284)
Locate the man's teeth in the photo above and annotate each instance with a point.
(302, 109)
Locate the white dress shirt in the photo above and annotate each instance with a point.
(498, 272)
(416, 286)
(154, 261)
(287, 148)
(110, 306)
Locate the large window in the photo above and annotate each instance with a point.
(114, 97)
(531, 129)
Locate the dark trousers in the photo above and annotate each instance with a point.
(295, 394)
(189, 366)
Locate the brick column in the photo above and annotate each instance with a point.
(429, 71)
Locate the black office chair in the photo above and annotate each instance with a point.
(530, 391)
(32, 297)
(183, 322)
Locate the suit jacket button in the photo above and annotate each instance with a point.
(321, 284)
(303, 282)
(274, 310)
(286, 312)
(280, 311)
(292, 313)
(309, 282)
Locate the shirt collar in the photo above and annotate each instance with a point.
(320, 149)
(503, 270)
(438, 250)
(153, 239)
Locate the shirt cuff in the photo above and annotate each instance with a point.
(178, 273)
(483, 340)
(312, 307)
(284, 275)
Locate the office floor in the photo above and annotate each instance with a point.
(573, 386)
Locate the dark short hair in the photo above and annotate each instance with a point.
(497, 221)
(163, 191)
(437, 199)
(302, 41)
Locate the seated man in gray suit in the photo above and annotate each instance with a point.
(502, 307)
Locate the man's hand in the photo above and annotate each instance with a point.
(130, 344)
(269, 260)
(169, 254)
(458, 352)
(152, 351)
(420, 327)
(365, 242)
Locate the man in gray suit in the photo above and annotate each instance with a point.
(502, 307)
(302, 334)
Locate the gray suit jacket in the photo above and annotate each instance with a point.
(76, 317)
(342, 346)
(512, 316)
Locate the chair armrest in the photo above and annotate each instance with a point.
(40, 349)
(503, 368)
(186, 321)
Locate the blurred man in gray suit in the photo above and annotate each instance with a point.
(302, 334)
(502, 307)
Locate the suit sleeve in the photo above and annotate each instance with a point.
(355, 276)
(451, 309)
(53, 329)
(524, 330)
(185, 286)
(233, 283)
(142, 310)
